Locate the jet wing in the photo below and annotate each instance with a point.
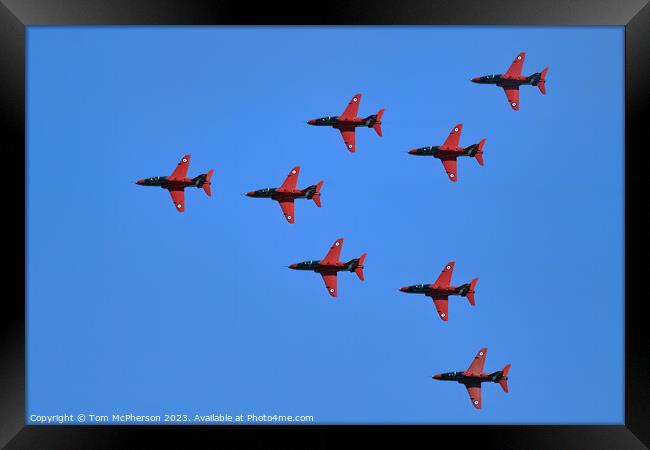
(474, 391)
(454, 137)
(513, 97)
(352, 109)
(181, 169)
(517, 65)
(334, 252)
(178, 197)
(444, 279)
(442, 306)
(476, 367)
(288, 209)
(450, 167)
(330, 279)
(291, 180)
(349, 137)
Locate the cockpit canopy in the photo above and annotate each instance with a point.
(265, 191)
(452, 374)
(309, 263)
(324, 121)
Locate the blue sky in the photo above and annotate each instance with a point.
(135, 308)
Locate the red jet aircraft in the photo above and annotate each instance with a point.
(449, 151)
(329, 266)
(512, 79)
(287, 193)
(347, 122)
(178, 181)
(474, 376)
(441, 290)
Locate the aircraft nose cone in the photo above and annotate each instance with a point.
(404, 289)
(250, 194)
(436, 376)
(413, 152)
(139, 182)
(311, 122)
(293, 266)
(475, 79)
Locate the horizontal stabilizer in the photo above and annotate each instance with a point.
(470, 293)
(359, 269)
(207, 183)
(316, 197)
(479, 153)
(504, 380)
(377, 124)
(541, 84)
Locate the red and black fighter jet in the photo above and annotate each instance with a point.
(474, 376)
(347, 122)
(178, 181)
(329, 266)
(512, 79)
(449, 151)
(441, 290)
(287, 193)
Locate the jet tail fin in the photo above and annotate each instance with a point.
(206, 183)
(377, 124)
(316, 196)
(359, 269)
(470, 293)
(504, 380)
(541, 84)
(479, 153)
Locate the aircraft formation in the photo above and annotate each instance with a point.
(329, 267)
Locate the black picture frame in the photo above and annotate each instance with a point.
(16, 15)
